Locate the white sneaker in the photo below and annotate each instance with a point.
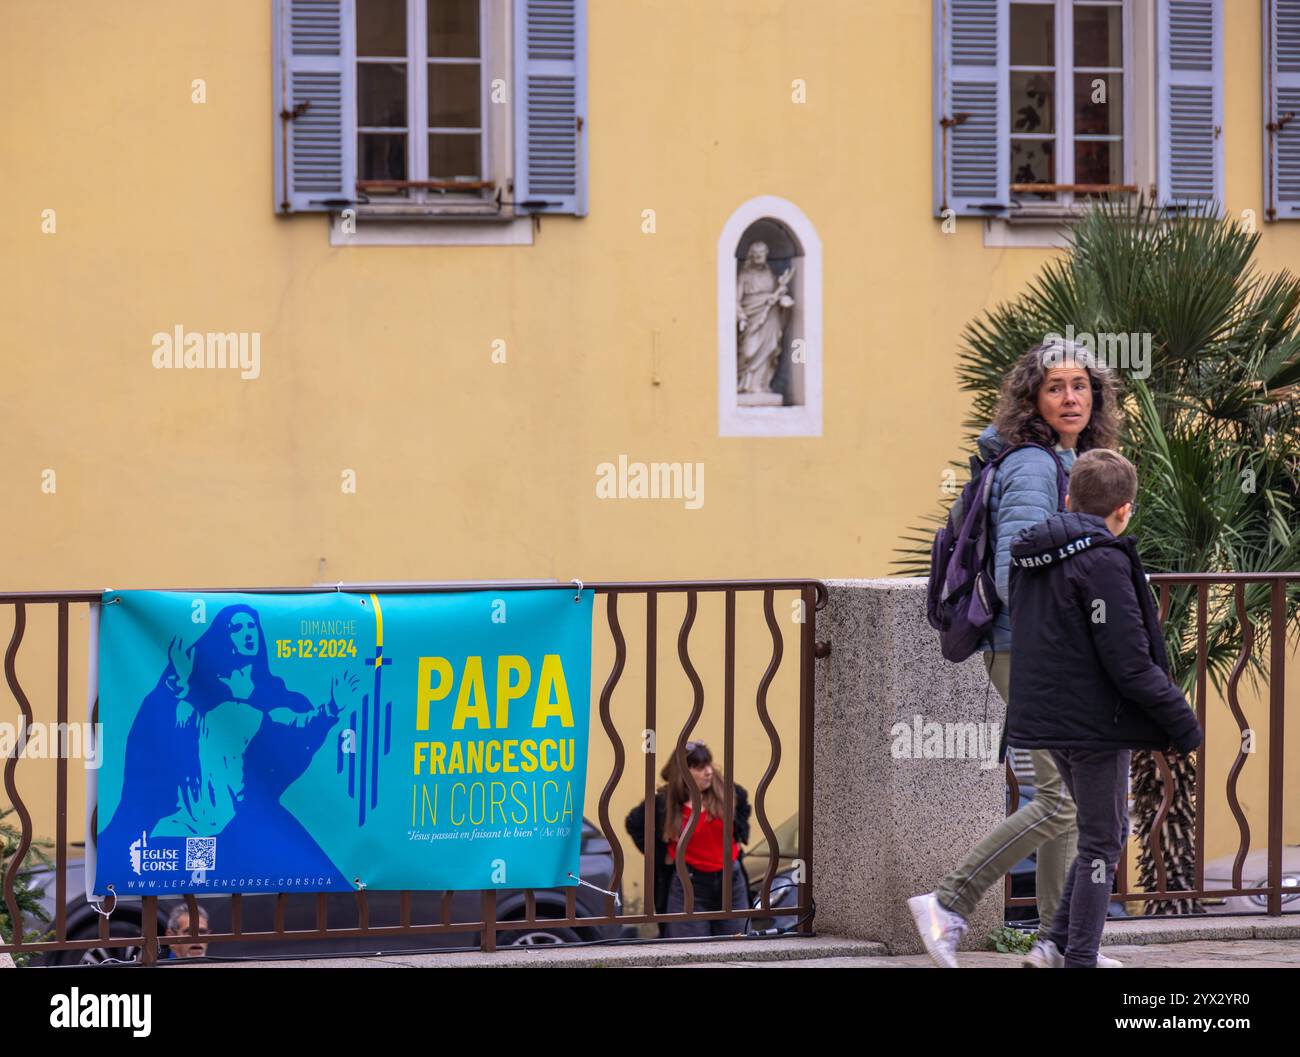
(941, 930)
(1044, 954)
(1047, 955)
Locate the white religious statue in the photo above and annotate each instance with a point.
(760, 301)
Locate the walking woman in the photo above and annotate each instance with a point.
(704, 852)
(1056, 395)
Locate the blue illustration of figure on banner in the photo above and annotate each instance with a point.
(218, 741)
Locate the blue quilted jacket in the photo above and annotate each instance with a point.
(1024, 493)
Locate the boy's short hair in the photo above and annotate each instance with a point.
(1101, 480)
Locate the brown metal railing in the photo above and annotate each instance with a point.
(1275, 887)
(487, 924)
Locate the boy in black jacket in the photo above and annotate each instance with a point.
(1090, 681)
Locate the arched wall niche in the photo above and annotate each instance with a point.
(779, 390)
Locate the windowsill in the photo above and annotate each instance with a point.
(472, 208)
(1041, 231)
(427, 228)
(1045, 214)
(433, 216)
(1034, 226)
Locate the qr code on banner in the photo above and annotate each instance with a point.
(200, 853)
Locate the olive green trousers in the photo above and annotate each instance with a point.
(1045, 825)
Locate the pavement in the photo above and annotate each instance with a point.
(1199, 954)
(1195, 942)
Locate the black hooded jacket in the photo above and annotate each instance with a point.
(1088, 663)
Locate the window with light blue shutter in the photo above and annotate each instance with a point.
(315, 141)
(1189, 112)
(970, 133)
(550, 64)
(1281, 109)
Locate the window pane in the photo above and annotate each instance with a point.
(453, 95)
(1033, 35)
(1033, 102)
(1098, 162)
(381, 156)
(381, 94)
(381, 27)
(1099, 103)
(453, 29)
(1033, 162)
(1098, 35)
(453, 156)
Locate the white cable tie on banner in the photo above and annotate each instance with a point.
(578, 596)
(100, 910)
(617, 901)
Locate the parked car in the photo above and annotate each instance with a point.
(785, 889)
(258, 915)
(1254, 874)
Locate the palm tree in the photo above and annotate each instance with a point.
(1212, 423)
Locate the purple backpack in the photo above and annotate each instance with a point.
(962, 599)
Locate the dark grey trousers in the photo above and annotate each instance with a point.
(1098, 783)
(708, 896)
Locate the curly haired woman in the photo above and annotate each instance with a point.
(1058, 396)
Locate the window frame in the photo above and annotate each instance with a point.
(421, 7)
(494, 131)
(1069, 202)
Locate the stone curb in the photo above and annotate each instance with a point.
(1139, 932)
(631, 955)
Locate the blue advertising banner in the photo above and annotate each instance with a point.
(317, 742)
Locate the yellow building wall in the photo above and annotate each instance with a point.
(378, 360)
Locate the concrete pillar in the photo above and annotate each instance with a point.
(887, 825)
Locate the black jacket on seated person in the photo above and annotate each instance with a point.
(1089, 668)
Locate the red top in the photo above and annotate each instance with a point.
(705, 849)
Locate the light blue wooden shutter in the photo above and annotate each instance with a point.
(1281, 109)
(315, 105)
(1190, 108)
(550, 65)
(971, 144)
